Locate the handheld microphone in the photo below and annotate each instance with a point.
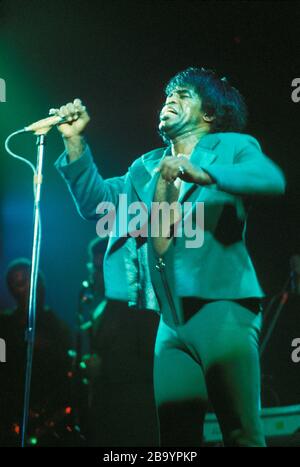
(46, 123)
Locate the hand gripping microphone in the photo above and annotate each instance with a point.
(45, 124)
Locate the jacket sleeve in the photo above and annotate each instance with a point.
(86, 185)
(252, 173)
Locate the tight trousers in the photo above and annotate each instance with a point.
(212, 356)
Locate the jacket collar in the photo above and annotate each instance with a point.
(143, 173)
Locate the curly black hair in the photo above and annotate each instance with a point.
(218, 97)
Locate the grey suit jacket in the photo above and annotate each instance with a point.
(221, 268)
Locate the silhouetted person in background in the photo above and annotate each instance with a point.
(49, 383)
(92, 304)
(120, 364)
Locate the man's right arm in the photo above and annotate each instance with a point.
(74, 147)
(77, 167)
(86, 185)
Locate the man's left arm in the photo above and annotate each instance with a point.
(252, 173)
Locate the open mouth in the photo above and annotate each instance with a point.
(169, 110)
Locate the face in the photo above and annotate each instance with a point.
(19, 284)
(181, 112)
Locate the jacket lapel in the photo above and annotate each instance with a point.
(144, 177)
(202, 156)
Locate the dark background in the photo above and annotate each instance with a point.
(116, 56)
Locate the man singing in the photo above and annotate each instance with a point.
(208, 297)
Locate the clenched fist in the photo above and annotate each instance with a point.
(173, 167)
(77, 118)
